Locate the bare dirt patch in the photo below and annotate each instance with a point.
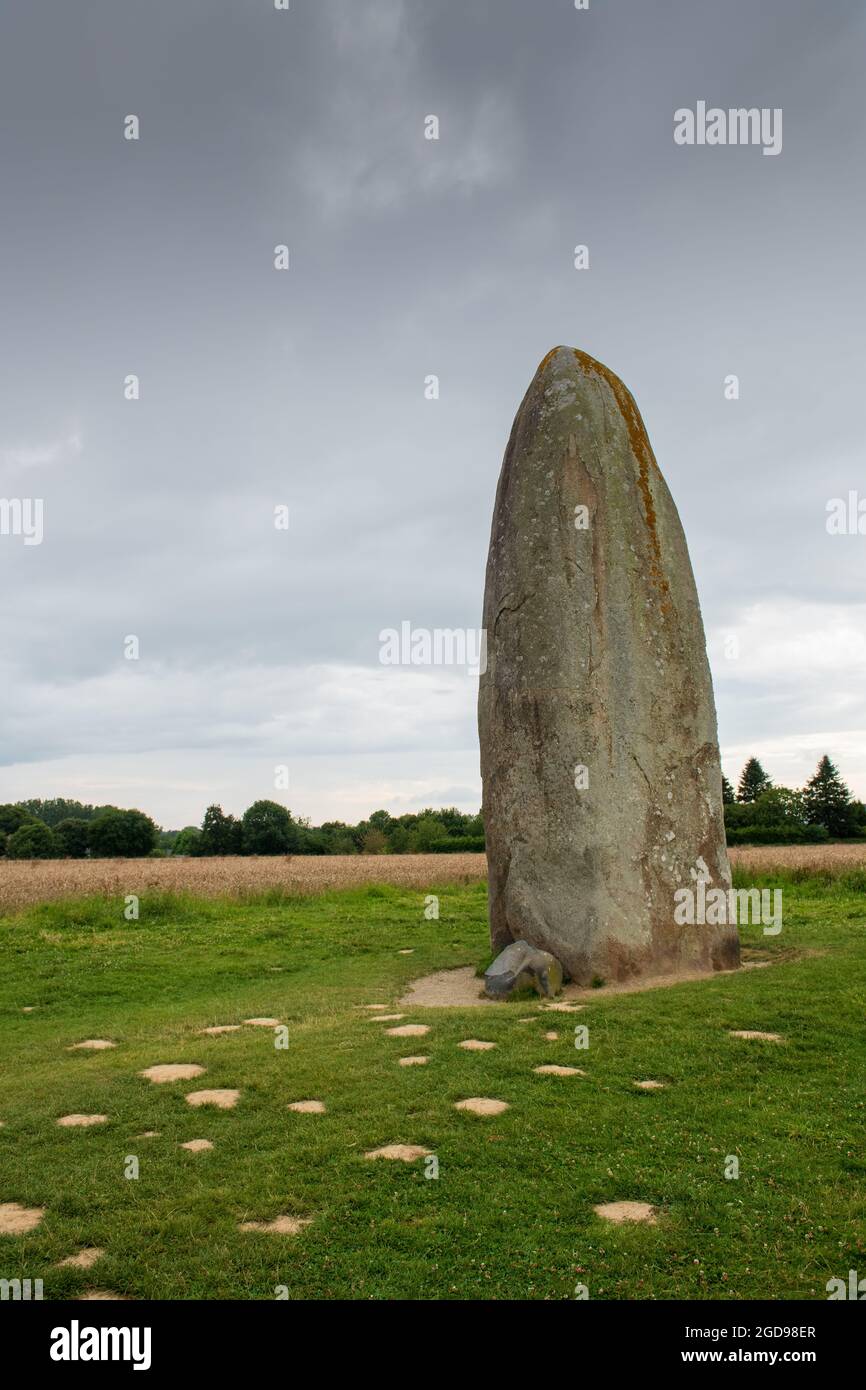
(408, 1030)
(553, 1069)
(263, 1022)
(172, 1071)
(197, 1146)
(104, 1296)
(413, 1061)
(476, 1045)
(92, 1045)
(384, 1018)
(447, 989)
(551, 1037)
(482, 1105)
(280, 1226)
(16, 1220)
(753, 1035)
(222, 1099)
(407, 1152)
(219, 1028)
(81, 1121)
(463, 989)
(650, 1085)
(85, 1259)
(644, 983)
(620, 1212)
(308, 1107)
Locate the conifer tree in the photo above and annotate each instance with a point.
(828, 800)
(753, 781)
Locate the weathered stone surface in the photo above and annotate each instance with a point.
(596, 660)
(521, 966)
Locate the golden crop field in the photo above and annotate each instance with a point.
(24, 882)
(28, 881)
(833, 859)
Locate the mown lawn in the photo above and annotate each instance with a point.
(511, 1212)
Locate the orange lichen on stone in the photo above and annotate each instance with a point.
(547, 358)
(642, 450)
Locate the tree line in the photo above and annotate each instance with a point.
(757, 813)
(761, 813)
(63, 829)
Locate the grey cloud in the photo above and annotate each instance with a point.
(409, 257)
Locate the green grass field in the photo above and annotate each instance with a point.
(511, 1212)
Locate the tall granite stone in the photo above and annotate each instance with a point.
(599, 752)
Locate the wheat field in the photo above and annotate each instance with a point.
(24, 883)
(819, 859)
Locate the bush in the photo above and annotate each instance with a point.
(32, 841)
(429, 835)
(59, 808)
(220, 834)
(12, 818)
(315, 842)
(122, 835)
(269, 829)
(458, 844)
(339, 844)
(187, 841)
(72, 837)
(375, 841)
(777, 835)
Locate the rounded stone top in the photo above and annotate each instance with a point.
(574, 361)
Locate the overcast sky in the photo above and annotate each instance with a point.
(409, 257)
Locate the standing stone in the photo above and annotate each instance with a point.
(599, 752)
